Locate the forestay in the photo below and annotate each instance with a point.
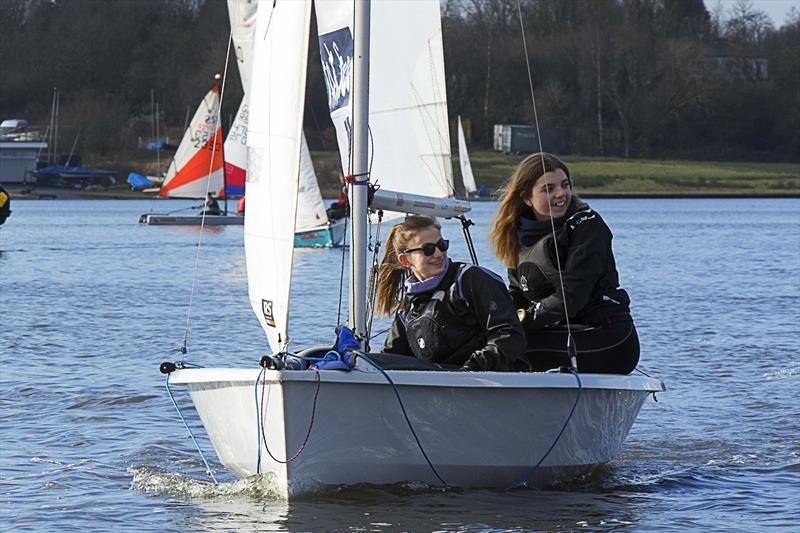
(274, 141)
(197, 166)
(410, 149)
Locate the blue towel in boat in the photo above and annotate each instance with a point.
(342, 356)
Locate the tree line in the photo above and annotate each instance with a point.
(627, 78)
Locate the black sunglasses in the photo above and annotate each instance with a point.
(429, 248)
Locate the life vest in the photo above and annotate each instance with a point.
(538, 276)
(5, 205)
(439, 325)
(537, 269)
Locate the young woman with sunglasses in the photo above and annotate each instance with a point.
(575, 277)
(453, 314)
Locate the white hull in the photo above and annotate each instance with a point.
(480, 429)
(191, 220)
(322, 236)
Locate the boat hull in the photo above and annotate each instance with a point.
(324, 236)
(191, 220)
(479, 429)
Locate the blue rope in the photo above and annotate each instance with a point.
(258, 421)
(203, 457)
(402, 407)
(524, 479)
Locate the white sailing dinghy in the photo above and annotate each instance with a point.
(197, 167)
(467, 429)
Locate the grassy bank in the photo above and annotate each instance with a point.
(595, 176)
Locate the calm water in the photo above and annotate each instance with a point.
(91, 302)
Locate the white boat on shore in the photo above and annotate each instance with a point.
(369, 422)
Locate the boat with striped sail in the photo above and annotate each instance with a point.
(198, 167)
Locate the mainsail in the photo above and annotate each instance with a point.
(408, 102)
(463, 161)
(197, 166)
(274, 140)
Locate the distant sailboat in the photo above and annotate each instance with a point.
(312, 227)
(197, 167)
(470, 188)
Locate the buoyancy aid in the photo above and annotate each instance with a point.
(539, 280)
(439, 324)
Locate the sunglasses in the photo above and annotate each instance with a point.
(429, 248)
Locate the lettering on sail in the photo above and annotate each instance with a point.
(266, 308)
(336, 53)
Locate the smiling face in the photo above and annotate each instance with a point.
(423, 266)
(550, 196)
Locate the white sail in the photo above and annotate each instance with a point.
(242, 14)
(410, 149)
(274, 138)
(310, 209)
(463, 161)
(236, 151)
(197, 166)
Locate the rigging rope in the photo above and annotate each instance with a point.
(405, 415)
(524, 479)
(373, 280)
(186, 425)
(185, 346)
(263, 434)
(570, 341)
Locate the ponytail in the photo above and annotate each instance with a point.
(391, 274)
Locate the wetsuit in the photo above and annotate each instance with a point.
(599, 312)
(212, 207)
(461, 318)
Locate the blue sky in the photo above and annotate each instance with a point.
(776, 9)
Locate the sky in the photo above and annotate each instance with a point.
(777, 10)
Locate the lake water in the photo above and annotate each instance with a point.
(91, 302)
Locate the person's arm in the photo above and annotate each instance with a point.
(397, 341)
(490, 302)
(586, 263)
(515, 290)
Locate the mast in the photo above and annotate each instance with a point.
(358, 187)
(222, 146)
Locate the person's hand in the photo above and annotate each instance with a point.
(530, 317)
(475, 363)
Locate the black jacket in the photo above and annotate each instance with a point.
(467, 320)
(591, 282)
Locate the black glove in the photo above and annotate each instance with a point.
(475, 363)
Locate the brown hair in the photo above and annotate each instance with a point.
(391, 274)
(519, 185)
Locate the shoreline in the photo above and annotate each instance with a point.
(53, 193)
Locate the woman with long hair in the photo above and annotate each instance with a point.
(453, 314)
(562, 272)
